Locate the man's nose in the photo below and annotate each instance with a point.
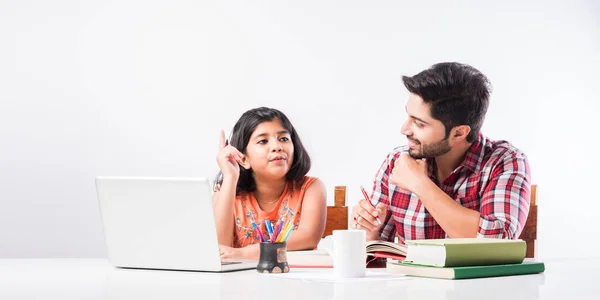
(405, 129)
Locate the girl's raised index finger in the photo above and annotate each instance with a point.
(222, 142)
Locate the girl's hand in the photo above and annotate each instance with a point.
(228, 159)
(229, 252)
(248, 252)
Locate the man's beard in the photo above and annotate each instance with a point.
(429, 150)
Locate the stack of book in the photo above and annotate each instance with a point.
(465, 258)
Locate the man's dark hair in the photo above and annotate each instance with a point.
(457, 94)
(242, 131)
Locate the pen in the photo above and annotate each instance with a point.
(269, 228)
(362, 189)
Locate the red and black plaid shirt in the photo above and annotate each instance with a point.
(493, 179)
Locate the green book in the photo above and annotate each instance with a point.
(465, 272)
(465, 252)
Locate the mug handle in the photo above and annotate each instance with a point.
(326, 244)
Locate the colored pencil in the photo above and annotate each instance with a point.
(288, 234)
(284, 232)
(276, 231)
(260, 235)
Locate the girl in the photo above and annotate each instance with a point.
(263, 173)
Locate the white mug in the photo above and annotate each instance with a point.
(349, 253)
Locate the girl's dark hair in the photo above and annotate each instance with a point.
(458, 94)
(243, 129)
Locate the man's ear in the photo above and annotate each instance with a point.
(460, 133)
(244, 163)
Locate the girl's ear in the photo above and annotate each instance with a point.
(244, 163)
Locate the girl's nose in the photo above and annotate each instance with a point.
(277, 147)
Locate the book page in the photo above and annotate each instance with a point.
(385, 246)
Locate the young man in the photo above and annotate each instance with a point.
(450, 180)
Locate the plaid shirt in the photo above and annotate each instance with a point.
(493, 179)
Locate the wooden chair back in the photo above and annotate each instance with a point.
(337, 215)
(529, 233)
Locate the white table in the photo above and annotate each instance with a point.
(96, 279)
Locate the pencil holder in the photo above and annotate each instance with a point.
(273, 258)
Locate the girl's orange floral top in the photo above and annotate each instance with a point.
(247, 210)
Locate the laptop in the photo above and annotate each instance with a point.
(161, 223)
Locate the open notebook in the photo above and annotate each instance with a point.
(321, 258)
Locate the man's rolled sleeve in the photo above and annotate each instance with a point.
(505, 200)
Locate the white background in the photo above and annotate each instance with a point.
(136, 87)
